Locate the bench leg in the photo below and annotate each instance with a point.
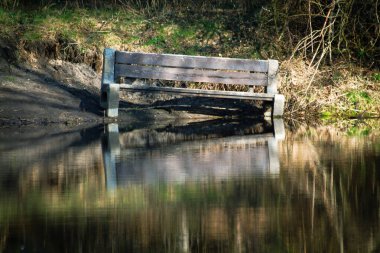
(279, 129)
(110, 150)
(274, 161)
(278, 105)
(109, 99)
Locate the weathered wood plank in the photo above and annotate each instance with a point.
(185, 61)
(191, 75)
(200, 92)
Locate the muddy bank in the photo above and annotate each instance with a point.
(46, 91)
(59, 92)
(55, 91)
(42, 95)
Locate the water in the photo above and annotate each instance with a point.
(216, 186)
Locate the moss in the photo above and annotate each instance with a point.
(9, 78)
(157, 41)
(326, 115)
(376, 77)
(358, 96)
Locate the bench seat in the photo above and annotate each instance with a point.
(120, 65)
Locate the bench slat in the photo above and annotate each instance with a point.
(199, 92)
(190, 75)
(185, 61)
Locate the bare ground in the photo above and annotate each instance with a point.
(56, 91)
(50, 93)
(44, 91)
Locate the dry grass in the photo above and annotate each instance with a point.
(339, 91)
(312, 86)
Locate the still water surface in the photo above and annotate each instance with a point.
(211, 186)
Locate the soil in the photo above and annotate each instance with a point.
(56, 91)
(44, 91)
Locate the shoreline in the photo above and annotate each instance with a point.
(46, 98)
(62, 45)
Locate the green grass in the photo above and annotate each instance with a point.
(82, 30)
(9, 78)
(326, 115)
(358, 96)
(91, 28)
(376, 77)
(85, 26)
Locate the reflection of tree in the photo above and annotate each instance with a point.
(338, 184)
(325, 199)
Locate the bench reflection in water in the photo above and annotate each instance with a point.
(204, 151)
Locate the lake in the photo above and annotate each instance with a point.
(212, 186)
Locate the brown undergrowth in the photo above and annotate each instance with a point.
(330, 91)
(331, 88)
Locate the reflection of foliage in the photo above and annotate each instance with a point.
(355, 131)
(327, 191)
(353, 127)
(376, 77)
(286, 205)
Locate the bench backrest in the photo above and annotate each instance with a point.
(195, 69)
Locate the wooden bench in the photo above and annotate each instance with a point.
(119, 65)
